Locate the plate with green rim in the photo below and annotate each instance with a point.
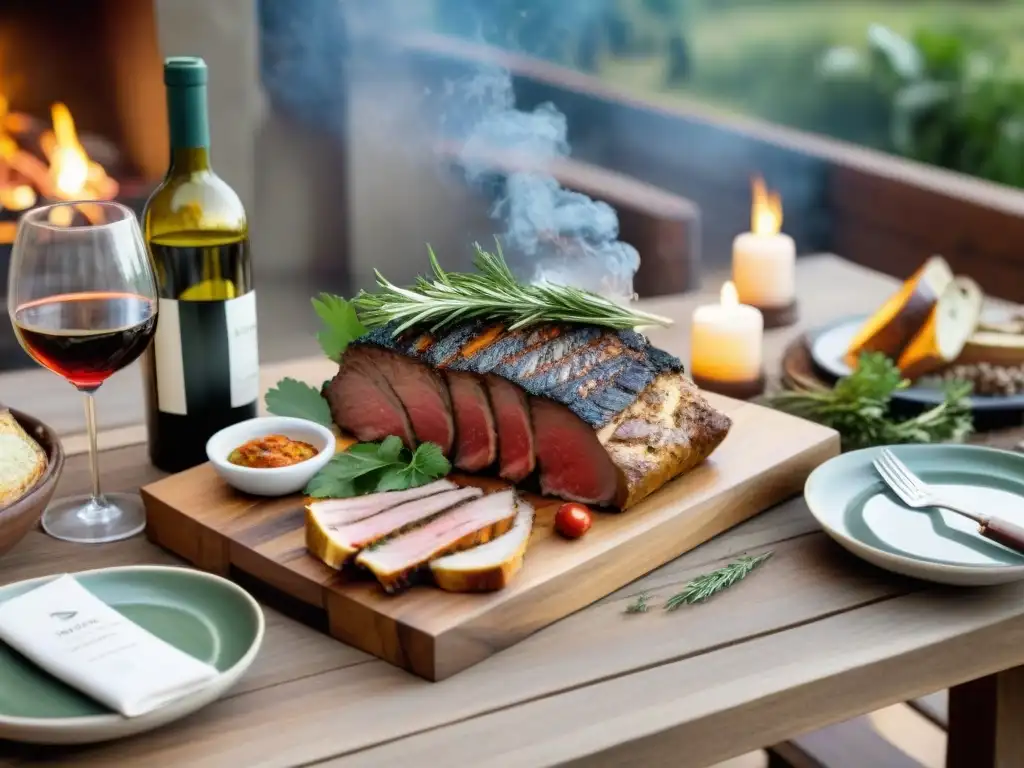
(205, 615)
(853, 505)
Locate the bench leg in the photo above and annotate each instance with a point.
(986, 722)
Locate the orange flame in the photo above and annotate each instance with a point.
(65, 173)
(729, 297)
(766, 209)
(69, 164)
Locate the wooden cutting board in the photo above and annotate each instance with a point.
(765, 459)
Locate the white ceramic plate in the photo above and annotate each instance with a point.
(829, 345)
(854, 507)
(202, 614)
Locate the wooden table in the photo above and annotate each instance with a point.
(813, 638)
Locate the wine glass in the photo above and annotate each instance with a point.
(83, 301)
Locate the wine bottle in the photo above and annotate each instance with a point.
(202, 369)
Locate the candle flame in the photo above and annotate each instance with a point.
(766, 209)
(729, 297)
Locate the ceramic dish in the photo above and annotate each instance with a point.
(829, 344)
(278, 481)
(18, 518)
(848, 498)
(202, 614)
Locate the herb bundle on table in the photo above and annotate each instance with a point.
(859, 407)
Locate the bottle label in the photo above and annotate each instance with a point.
(207, 355)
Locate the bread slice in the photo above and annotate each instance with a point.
(994, 348)
(893, 326)
(22, 460)
(950, 324)
(491, 566)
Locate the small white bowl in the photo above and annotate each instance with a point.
(275, 481)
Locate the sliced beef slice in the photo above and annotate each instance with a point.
(423, 394)
(515, 432)
(573, 463)
(362, 401)
(476, 440)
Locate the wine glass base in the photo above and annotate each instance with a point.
(82, 520)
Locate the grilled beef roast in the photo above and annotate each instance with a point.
(612, 418)
(476, 442)
(515, 430)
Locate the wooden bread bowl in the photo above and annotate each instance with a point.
(19, 517)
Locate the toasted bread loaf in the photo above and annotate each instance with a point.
(22, 460)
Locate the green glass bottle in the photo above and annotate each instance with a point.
(202, 369)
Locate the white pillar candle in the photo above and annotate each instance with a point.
(764, 269)
(764, 259)
(726, 340)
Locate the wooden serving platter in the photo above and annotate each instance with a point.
(765, 459)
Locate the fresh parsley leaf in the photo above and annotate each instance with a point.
(294, 398)
(431, 461)
(325, 486)
(391, 448)
(348, 465)
(341, 324)
(394, 481)
(377, 467)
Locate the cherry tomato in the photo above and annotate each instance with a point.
(572, 520)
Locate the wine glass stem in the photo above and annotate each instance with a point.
(94, 458)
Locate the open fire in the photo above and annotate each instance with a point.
(41, 165)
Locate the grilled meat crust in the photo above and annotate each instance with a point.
(648, 417)
(668, 431)
(595, 372)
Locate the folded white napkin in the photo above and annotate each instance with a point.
(77, 638)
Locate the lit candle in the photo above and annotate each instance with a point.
(725, 346)
(764, 260)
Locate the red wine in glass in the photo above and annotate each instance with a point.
(82, 297)
(86, 337)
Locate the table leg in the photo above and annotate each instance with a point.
(986, 722)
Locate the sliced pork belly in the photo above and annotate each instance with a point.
(475, 522)
(515, 432)
(335, 512)
(423, 394)
(573, 463)
(362, 401)
(336, 545)
(476, 440)
(490, 566)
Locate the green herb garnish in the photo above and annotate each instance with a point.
(299, 400)
(703, 588)
(375, 467)
(858, 407)
(341, 324)
(639, 605)
(492, 292)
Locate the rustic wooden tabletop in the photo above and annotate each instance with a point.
(815, 637)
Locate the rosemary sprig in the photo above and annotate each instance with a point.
(639, 605)
(708, 585)
(492, 292)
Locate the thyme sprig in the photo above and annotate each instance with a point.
(492, 292)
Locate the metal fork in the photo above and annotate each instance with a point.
(916, 493)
